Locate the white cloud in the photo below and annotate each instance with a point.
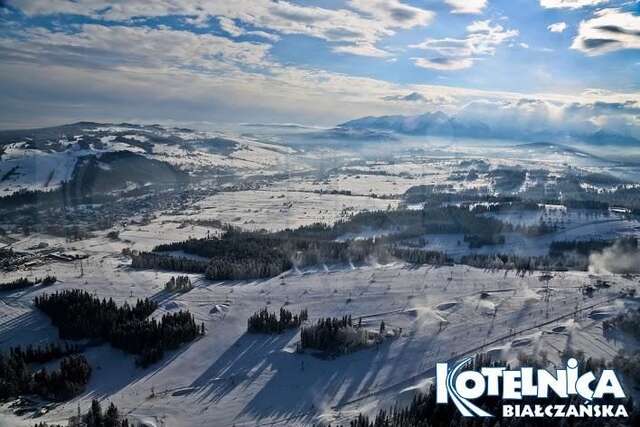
(558, 27)
(467, 6)
(201, 21)
(229, 26)
(393, 13)
(569, 4)
(449, 47)
(117, 47)
(264, 35)
(482, 39)
(609, 30)
(361, 24)
(444, 63)
(363, 49)
(512, 116)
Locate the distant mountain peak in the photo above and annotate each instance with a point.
(429, 123)
(438, 123)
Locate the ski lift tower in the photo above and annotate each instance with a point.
(546, 278)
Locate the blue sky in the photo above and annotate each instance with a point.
(320, 62)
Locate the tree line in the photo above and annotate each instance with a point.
(526, 264)
(626, 323)
(421, 257)
(333, 336)
(24, 282)
(410, 222)
(96, 417)
(17, 376)
(301, 253)
(155, 261)
(562, 256)
(567, 191)
(43, 353)
(180, 284)
(263, 322)
(587, 247)
(239, 255)
(79, 315)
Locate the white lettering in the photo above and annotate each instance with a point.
(470, 392)
(492, 374)
(608, 384)
(511, 385)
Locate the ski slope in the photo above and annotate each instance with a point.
(231, 378)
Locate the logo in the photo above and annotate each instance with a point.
(463, 386)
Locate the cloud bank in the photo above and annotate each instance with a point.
(355, 28)
(467, 6)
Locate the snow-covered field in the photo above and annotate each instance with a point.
(279, 209)
(232, 378)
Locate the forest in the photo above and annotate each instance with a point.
(245, 267)
(421, 257)
(24, 282)
(180, 284)
(586, 247)
(18, 376)
(43, 353)
(626, 323)
(334, 336)
(152, 260)
(625, 326)
(79, 315)
(408, 223)
(241, 255)
(526, 264)
(264, 322)
(238, 255)
(566, 190)
(96, 417)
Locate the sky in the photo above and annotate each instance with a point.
(571, 64)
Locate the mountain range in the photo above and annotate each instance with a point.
(441, 124)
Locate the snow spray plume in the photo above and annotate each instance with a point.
(621, 258)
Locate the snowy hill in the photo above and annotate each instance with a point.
(42, 159)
